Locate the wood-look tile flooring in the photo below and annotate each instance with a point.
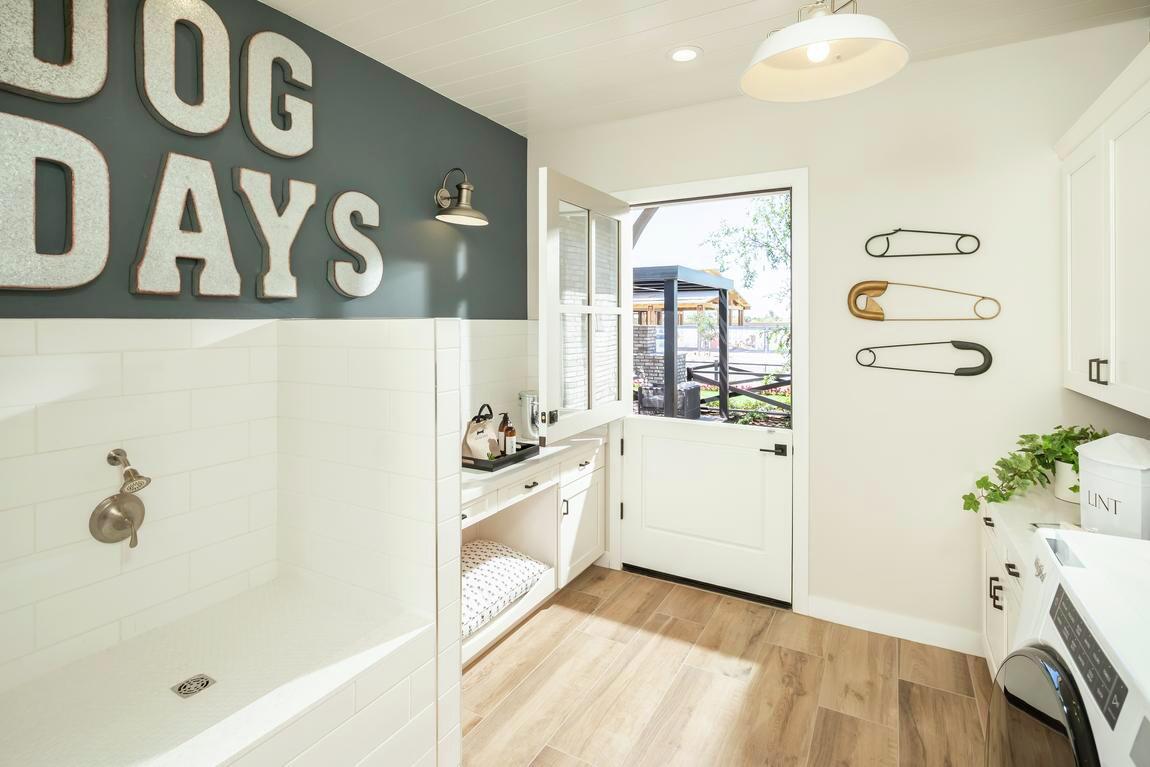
(620, 669)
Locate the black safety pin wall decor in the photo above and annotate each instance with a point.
(983, 308)
(964, 244)
(869, 358)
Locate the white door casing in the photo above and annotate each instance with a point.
(796, 180)
(584, 293)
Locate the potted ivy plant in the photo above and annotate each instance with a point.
(1040, 460)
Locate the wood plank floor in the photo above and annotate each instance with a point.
(620, 669)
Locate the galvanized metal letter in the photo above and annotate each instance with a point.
(276, 227)
(186, 184)
(84, 70)
(22, 143)
(346, 213)
(156, 65)
(260, 53)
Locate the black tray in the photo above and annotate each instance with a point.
(525, 451)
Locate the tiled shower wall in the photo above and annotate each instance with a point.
(357, 430)
(194, 404)
(498, 359)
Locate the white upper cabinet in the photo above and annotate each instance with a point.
(1106, 244)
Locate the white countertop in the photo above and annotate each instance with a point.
(477, 483)
(1015, 521)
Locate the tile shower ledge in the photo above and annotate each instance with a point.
(274, 653)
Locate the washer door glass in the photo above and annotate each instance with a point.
(1036, 716)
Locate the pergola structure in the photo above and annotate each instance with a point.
(671, 281)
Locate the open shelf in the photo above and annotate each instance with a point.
(492, 631)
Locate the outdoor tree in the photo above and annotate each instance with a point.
(760, 243)
(707, 326)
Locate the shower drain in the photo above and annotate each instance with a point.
(193, 685)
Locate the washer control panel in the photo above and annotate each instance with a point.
(1098, 673)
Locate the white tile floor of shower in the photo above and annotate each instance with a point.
(293, 650)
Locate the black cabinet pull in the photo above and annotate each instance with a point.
(584, 465)
(990, 586)
(566, 507)
(1012, 570)
(988, 521)
(1094, 371)
(532, 486)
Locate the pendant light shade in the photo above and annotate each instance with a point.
(824, 56)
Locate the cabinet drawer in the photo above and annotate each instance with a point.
(480, 507)
(525, 487)
(582, 465)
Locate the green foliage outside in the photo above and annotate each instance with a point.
(761, 243)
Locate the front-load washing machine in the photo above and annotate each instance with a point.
(1073, 693)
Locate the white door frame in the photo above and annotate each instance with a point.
(796, 180)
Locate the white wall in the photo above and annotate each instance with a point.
(356, 431)
(194, 404)
(498, 359)
(962, 143)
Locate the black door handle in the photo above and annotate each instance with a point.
(779, 450)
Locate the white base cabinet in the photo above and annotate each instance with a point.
(1105, 231)
(582, 525)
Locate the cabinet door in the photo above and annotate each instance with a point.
(994, 624)
(1128, 140)
(1087, 263)
(582, 525)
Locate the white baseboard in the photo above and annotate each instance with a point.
(896, 625)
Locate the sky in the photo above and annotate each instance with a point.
(675, 237)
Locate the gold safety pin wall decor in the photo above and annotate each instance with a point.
(984, 307)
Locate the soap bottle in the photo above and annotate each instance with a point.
(510, 439)
(504, 425)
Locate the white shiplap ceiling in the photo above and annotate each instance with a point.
(535, 65)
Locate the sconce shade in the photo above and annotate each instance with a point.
(457, 209)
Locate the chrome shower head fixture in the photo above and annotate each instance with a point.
(133, 481)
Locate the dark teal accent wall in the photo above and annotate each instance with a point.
(377, 132)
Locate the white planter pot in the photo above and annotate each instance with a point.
(1065, 478)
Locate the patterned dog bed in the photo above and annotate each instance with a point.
(494, 576)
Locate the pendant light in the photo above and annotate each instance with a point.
(826, 53)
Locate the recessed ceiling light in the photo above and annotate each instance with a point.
(685, 53)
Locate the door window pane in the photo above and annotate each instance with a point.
(574, 255)
(606, 244)
(605, 370)
(573, 360)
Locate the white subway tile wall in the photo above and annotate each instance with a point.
(324, 446)
(179, 396)
(357, 441)
(445, 682)
(497, 360)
